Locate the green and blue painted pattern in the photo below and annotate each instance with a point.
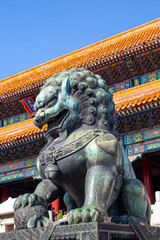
(135, 81)
(14, 119)
(143, 147)
(17, 169)
(17, 165)
(141, 136)
(142, 141)
(18, 174)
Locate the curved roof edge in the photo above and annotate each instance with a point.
(141, 35)
(136, 96)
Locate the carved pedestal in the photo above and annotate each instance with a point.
(86, 231)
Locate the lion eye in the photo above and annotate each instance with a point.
(52, 103)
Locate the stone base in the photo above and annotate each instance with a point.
(86, 231)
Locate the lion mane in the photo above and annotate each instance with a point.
(96, 101)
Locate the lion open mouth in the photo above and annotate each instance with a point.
(57, 122)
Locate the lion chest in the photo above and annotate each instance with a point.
(73, 171)
(72, 167)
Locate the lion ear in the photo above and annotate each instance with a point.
(66, 86)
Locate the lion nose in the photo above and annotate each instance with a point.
(39, 118)
(40, 115)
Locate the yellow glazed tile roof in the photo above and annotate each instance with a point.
(135, 96)
(18, 131)
(142, 94)
(107, 47)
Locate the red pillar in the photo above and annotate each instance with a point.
(5, 193)
(56, 206)
(147, 177)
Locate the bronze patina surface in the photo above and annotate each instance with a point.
(83, 156)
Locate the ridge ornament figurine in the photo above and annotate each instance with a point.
(82, 156)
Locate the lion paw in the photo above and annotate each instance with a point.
(27, 199)
(84, 215)
(36, 222)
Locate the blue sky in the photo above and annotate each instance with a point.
(35, 31)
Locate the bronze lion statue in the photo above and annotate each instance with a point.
(83, 156)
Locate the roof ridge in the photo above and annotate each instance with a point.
(117, 37)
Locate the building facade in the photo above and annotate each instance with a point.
(130, 64)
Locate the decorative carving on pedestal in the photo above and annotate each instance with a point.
(86, 231)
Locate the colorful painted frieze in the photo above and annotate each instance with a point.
(135, 82)
(119, 87)
(15, 119)
(144, 79)
(141, 136)
(143, 147)
(18, 174)
(112, 88)
(150, 77)
(17, 165)
(158, 74)
(121, 141)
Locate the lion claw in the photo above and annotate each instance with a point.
(23, 200)
(84, 215)
(41, 221)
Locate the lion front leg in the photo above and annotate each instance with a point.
(99, 195)
(31, 209)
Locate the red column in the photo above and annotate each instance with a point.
(56, 206)
(5, 193)
(147, 177)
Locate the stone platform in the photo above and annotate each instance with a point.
(86, 231)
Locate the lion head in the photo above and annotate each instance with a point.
(73, 97)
